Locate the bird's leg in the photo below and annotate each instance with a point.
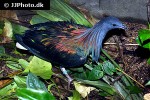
(67, 75)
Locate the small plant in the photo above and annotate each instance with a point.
(143, 38)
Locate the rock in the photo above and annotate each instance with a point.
(129, 10)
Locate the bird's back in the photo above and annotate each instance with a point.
(53, 41)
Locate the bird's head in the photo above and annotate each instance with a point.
(112, 23)
(92, 38)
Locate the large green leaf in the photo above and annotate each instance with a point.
(143, 38)
(40, 68)
(34, 83)
(61, 11)
(32, 94)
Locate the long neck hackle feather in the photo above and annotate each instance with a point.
(91, 40)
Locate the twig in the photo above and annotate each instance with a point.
(130, 77)
(107, 43)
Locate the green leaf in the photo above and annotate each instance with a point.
(18, 29)
(148, 61)
(100, 85)
(76, 95)
(40, 68)
(143, 36)
(7, 91)
(34, 83)
(38, 19)
(108, 68)
(13, 65)
(79, 70)
(32, 94)
(95, 74)
(105, 94)
(20, 81)
(23, 63)
(148, 83)
(82, 75)
(61, 11)
(134, 89)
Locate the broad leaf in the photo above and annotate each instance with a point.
(32, 94)
(40, 68)
(34, 83)
(144, 38)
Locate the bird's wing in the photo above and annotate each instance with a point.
(53, 41)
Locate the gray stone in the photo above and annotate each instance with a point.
(129, 10)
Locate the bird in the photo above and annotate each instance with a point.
(67, 43)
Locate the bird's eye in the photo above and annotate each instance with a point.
(114, 24)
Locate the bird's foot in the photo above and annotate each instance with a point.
(67, 75)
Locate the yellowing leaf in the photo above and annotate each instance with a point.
(82, 89)
(7, 32)
(147, 96)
